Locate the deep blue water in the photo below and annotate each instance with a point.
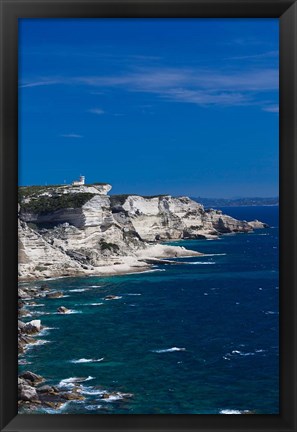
(220, 311)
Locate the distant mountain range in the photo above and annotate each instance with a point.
(236, 202)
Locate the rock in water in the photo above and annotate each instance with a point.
(32, 327)
(62, 309)
(27, 393)
(55, 294)
(32, 377)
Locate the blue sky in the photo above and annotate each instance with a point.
(152, 106)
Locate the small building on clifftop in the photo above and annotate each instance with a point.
(79, 182)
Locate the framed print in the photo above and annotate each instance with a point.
(148, 222)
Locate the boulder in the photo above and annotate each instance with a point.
(72, 396)
(48, 390)
(32, 327)
(62, 309)
(256, 224)
(32, 377)
(21, 324)
(111, 297)
(55, 294)
(24, 313)
(22, 294)
(27, 393)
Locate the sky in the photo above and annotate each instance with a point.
(151, 106)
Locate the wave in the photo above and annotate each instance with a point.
(218, 254)
(34, 305)
(237, 353)
(145, 271)
(70, 382)
(114, 397)
(55, 410)
(132, 294)
(23, 362)
(90, 391)
(53, 278)
(93, 407)
(68, 312)
(200, 262)
(89, 304)
(37, 343)
(234, 411)
(46, 330)
(84, 360)
(173, 349)
(94, 286)
(79, 290)
(114, 298)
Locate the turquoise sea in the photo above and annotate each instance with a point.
(196, 338)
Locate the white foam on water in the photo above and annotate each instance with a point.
(114, 398)
(271, 313)
(46, 330)
(237, 353)
(70, 382)
(79, 290)
(114, 298)
(53, 278)
(55, 410)
(94, 286)
(233, 411)
(35, 305)
(173, 349)
(90, 391)
(93, 407)
(69, 312)
(84, 360)
(89, 304)
(200, 262)
(37, 343)
(218, 254)
(145, 271)
(23, 362)
(134, 294)
(153, 270)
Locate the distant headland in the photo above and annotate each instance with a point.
(236, 202)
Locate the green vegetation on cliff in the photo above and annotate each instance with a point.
(47, 204)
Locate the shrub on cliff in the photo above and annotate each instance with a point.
(47, 204)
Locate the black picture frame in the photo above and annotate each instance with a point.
(286, 11)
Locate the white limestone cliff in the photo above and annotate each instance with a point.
(85, 231)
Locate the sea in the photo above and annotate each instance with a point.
(199, 337)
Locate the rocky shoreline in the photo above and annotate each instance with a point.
(33, 392)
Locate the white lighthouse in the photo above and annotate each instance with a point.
(79, 182)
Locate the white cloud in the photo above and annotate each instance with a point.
(71, 135)
(271, 108)
(97, 111)
(39, 83)
(264, 55)
(187, 85)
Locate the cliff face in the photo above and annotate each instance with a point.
(165, 218)
(80, 230)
